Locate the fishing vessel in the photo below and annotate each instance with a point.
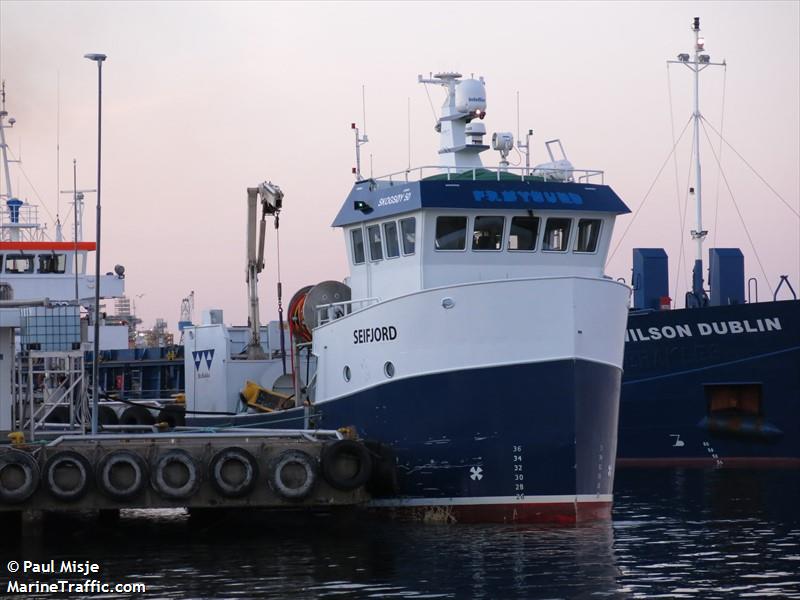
(43, 288)
(717, 382)
(476, 337)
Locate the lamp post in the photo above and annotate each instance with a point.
(98, 58)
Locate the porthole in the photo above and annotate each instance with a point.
(346, 373)
(388, 369)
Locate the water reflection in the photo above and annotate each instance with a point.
(678, 534)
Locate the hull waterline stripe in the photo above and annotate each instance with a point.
(481, 500)
(714, 366)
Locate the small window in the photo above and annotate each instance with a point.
(408, 229)
(375, 247)
(588, 234)
(451, 233)
(556, 234)
(388, 369)
(52, 263)
(19, 263)
(346, 373)
(487, 233)
(390, 234)
(523, 234)
(358, 246)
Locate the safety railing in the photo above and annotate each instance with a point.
(450, 173)
(336, 310)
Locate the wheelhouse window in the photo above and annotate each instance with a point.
(52, 263)
(358, 246)
(588, 235)
(523, 233)
(390, 235)
(451, 233)
(375, 246)
(408, 232)
(556, 234)
(487, 233)
(19, 263)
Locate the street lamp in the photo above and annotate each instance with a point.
(98, 58)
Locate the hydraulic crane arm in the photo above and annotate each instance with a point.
(271, 198)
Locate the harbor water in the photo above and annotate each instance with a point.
(675, 534)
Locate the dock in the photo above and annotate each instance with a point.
(184, 467)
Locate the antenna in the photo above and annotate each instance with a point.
(58, 156)
(526, 147)
(360, 139)
(409, 133)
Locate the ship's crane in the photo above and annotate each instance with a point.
(271, 198)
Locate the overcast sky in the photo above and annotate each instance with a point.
(202, 100)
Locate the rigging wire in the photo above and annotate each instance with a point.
(757, 174)
(681, 215)
(30, 183)
(650, 189)
(433, 110)
(721, 127)
(681, 252)
(739, 212)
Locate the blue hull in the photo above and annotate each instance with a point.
(517, 442)
(674, 362)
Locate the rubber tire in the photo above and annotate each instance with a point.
(163, 488)
(67, 457)
(241, 456)
(107, 416)
(59, 414)
(174, 416)
(29, 467)
(107, 463)
(136, 415)
(384, 482)
(283, 460)
(332, 452)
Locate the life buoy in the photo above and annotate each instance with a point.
(384, 480)
(121, 474)
(346, 464)
(136, 415)
(233, 472)
(175, 475)
(19, 476)
(292, 474)
(67, 475)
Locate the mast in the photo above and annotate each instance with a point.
(697, 297)
(3, 147)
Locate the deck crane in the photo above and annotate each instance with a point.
(271, 198)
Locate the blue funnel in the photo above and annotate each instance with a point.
(13, 209)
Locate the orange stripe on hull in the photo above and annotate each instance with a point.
(29, 246)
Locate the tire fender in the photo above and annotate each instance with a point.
(161, 481)
(13, 488)
(60, 464)
(346, 464)
(114, 461)
(282, 472)
(240, 487)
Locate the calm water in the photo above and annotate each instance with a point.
(675, 534)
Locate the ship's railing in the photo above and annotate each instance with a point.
(25, 220)
(500, 174)
(336, 310)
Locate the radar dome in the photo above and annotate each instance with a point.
(470, 96)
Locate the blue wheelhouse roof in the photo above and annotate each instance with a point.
(383, 199)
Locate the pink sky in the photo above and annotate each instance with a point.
(202, 100)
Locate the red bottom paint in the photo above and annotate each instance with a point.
(561, 513)
(721, 463)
